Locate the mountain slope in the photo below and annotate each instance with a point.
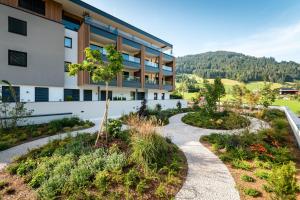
(238, 66)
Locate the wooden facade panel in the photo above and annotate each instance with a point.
(174, 73)
(119, 48)
(13, 3)
(160, 74)
(53, 10)
(142, 66)
(83, 42)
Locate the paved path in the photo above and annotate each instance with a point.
(208, 178)
(8, 155)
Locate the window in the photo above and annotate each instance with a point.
(37, 6)
(17, 26)
(41, 94)
(132, 95)
(70, 23)
(103, 95)
(67, 66)
(17, 58)
(163, 96)
(7, 94)
(140, 95)
(155, 96)
(87, 95)
(126, 74)
(68, 42)
(71, 95)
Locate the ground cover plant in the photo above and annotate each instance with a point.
(263, 164)
(16, 135)
(137, 164)
(225, 120)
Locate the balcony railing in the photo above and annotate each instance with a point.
(167, 68)
(131, 58)
(151, 64)
(167, 83)
(131, 81)
(151, 81)
(96, 23)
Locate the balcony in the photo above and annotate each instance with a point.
(111, 83)
(131, 81)
(151, 66)
(168, 85)
(131, 61)
(167, 71)
(151, 84)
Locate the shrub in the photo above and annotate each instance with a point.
(141, 187)
(262, 174)
(266, 188)
(101, 181)
(179, 105)
(25, 167)
(131, 178)
(79, 177)
(252, 192)
(51, 187)
(247, 178)
(160, 191)
(158, 107)
(271, 114)
(115, 161)
(283, 182)
(114, 127)
(280, 124)
(241, 164)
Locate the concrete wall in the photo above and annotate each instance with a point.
(92, 110)
(294, 123)
(44, 45)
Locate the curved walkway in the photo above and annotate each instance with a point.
(8, 155)
(208, 178)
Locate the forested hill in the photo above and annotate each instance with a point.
(238, 66)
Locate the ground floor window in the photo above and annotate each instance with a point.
(103, 95)
(10, 94)
(41, 94)
(163, 96)
(71, 95)
(87, 95)
(155, 96)
(132, 95)
(140, 95)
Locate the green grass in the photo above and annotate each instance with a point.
(294, 105)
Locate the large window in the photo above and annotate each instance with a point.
(17, 58)
(71, 95)
(163, 96)
(37, 6)
(17, 26)
(87, 95)
(10, 94)
(155, 96)
(68, 42)
(103, 95)
(140, 95)
(41, 94)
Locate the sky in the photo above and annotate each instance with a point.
(259, 28)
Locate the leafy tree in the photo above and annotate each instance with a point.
(100, 71)
(219, 89)
(238, 93)
(182, 88)
(210, 97)
(252, 98)
(268, 96)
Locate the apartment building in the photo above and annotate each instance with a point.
(39, 38)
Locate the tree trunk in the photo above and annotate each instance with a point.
(105, 117)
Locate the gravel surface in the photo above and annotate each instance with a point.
(208, 178)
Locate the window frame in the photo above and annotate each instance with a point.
(70, 47)
(35, 94)
(85, 91)
(9, 98)
(162, 96)
(19, 65)
(155, 96)
(18, 20)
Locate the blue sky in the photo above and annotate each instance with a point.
(254, 27)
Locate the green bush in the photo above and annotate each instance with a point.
(283, 182)
(115, 161)
(272, 114)
(161, 192)
(262, 174)
(52, 187)
(114, 127)
(247, 178)
(252, 192)
(80, 177)
(141, 187)
(102, 180)
(131, 178)
(241, 164)
(150, 152)
(25, 167)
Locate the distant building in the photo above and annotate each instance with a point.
(284, 91)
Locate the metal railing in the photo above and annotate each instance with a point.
(131, 58)
(151, 64)
(151, 81)
(131, 78)
(167, 68)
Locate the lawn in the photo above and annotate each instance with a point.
(294, 105)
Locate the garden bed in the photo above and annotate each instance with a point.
(264, 165)
(225, 120)
(15, 136)
(135, 164)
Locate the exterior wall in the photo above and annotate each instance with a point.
(44, 47)
(91, 110)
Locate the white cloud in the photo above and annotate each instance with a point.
(282, 43)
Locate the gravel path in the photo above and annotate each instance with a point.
(8, 155)
(208, 178)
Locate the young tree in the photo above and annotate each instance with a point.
(100, 71)
(210, 97)
(238, 93)
(252, 98)
(182, 88)
(219, 90)
(268, 96)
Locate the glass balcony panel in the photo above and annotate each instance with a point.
(151, 64)
(167, 68)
